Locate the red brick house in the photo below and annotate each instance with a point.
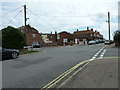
(49, 37)
(88, 34)
(32, 35)
(65, 38)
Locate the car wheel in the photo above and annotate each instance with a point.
(14, 55)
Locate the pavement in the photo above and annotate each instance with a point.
(99, 73)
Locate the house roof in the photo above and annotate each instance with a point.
(27, 28)
(87, 32)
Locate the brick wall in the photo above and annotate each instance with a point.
(65, 35)
(32, 35)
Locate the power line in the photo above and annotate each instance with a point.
(14, 17)
(41, 18)
(68, 16)
(8, 12)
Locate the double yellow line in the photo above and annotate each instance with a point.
(55, 81)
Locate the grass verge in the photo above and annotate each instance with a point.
(26, 52)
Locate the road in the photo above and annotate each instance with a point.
(38, 69)
(100, 73)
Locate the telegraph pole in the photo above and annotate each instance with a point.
(25, 19)
(109, 24)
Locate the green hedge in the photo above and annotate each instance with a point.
(12, 38)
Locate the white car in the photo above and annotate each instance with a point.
(107, 42)
(91, 42)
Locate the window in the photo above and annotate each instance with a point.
(58, 36)
(65, 40)
(34, 35)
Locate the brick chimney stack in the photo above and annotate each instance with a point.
(87, 28)
(91, 29)
(56, 32)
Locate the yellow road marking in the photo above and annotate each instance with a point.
(56, 80)
(68, 73)
(111, 57)
(77, 72)
(71, 76)
(63, 75)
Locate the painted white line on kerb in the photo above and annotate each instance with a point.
(101, 56)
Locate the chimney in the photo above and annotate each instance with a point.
(98, 32)
(56, 32)
(87, 28)
(91, 29)
(51, 33)
(77, 30)
(95, 30)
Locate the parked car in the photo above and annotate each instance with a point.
(96, 41)
(36, 45)
(111, 41)
(91, 42)
(9, 53)
(101, 41)
(108, 42)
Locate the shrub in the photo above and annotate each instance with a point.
(12, 38)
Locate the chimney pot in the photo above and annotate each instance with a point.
(91, 29)
(87, 28)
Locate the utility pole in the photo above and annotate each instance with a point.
(109, 24)
(25, 19)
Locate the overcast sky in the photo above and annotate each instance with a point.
(61, 15)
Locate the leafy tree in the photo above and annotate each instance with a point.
(12, 38)
(117, 37)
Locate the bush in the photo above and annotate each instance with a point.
(12, 38)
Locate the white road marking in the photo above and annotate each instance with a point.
(94, 57)
(101, 56)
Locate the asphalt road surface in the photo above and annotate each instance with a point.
(100, 73)
(38, 69)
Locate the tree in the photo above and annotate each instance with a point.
(12, 38)
(117, 38)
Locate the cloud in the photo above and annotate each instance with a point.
(51, 15)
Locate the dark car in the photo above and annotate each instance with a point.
(9, 53)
